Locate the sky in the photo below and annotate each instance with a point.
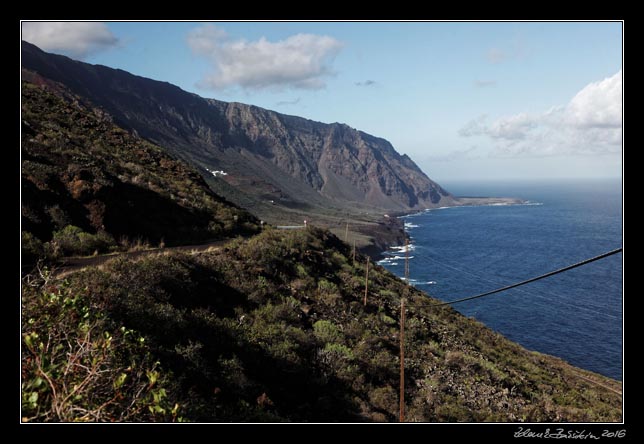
(465, 100)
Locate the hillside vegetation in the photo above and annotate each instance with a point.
(88, 185)
(274, 329)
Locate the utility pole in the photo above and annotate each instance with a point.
(354, 252)
(346, 233)
(402, 359)
(402, 333)
(366, 282)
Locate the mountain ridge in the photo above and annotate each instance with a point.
(268, 156)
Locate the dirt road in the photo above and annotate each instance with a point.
(71, 264)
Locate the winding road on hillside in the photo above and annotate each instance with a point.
(71, 264)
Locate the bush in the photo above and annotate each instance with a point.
(455, 359)
(73, 240)
(335, 360)
(78, 367)
(453, 409)
(326, 332)
(32, 248)
(327, 287)
(384, 398)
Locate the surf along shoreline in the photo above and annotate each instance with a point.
(391, 231)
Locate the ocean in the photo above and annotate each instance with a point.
(463, 251)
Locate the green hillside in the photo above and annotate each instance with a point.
(274, 329)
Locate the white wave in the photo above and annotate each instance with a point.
(407, 216)
(403, 248)
(397, 258)
(389, 260)
(410, 225)
(507, 204)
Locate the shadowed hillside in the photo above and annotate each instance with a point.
(88, 185)
(274, 329)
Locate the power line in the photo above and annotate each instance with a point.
(518, 284)
(497, 281)
(488, 293)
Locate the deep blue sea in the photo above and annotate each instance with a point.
(463, 251)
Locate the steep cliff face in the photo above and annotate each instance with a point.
(266, 156)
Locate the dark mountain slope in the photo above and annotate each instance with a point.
(80, 169)
(267, 156)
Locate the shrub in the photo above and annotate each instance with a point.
(387, 320)
(77, 367)
(384, 398)
(327, 287)
(455, 359)
(73, 240)
(338, 352)
(335, 360)
(387, 294)
(32, 248)
(435, 348)
(452, 410)
(59, 218)
(326, 332)
(301, 271)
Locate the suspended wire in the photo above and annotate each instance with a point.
(530, 293)
(527, 281)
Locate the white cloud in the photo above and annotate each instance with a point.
(598, 104)
(484, 83)
(591, 123)
(513, 50)
(288, 102)
(75, 39)
(495, 55)
(515, 127)
(299, 61)
(474, 127)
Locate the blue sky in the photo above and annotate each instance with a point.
(471, 101)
